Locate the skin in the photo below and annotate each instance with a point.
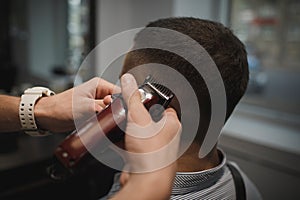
(189, 161)
(55, 113)
(144, 182)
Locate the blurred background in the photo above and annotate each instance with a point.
(43, 42)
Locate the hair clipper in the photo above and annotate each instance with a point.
(112, 120)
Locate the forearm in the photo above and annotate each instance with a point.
(9, 113)
(54, 113)
(57, 113)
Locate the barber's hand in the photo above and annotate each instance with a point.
(57, 113)
(152, 147)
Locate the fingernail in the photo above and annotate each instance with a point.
(127, 79)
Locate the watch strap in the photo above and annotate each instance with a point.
(26, 110)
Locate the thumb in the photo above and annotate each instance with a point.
(136, 110)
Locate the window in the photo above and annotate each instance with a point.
(271, 32)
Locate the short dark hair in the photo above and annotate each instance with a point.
(226, 50)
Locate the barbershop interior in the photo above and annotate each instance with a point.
(47, 42)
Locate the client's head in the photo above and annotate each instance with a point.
(224, 48)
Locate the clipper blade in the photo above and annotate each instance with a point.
(158, 95)
(159, 88)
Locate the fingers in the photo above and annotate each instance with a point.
(150, 145)
(153, 153)
(124, 178)
(107, 99)
(172, 125)
(105, 88)
(136, 110)
(172, 119)
(140, 124)
(154, 136)
(102, 103)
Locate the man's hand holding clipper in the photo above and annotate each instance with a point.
(152, 148)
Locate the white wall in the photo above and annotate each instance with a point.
(115, 16)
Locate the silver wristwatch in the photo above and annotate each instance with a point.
(26, 110)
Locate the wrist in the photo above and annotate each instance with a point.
(43, 112)
(27, 110)
(54, 113)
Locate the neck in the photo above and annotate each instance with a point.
(190, 161)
